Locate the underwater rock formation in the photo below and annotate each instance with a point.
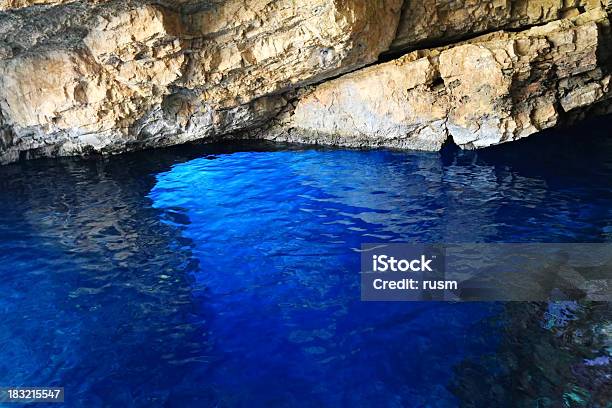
(108, 76)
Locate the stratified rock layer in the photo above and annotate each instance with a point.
(435, 21)
(117, 75)
(247, 49)
(107, 76)
(490, 90)
(13, 4)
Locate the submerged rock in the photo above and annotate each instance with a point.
(108, 76)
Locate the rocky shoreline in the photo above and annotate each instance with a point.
(107, 76)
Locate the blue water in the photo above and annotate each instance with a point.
(229, 275)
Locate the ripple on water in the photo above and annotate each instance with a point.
(216, 275)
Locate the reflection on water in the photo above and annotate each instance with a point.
(549, 356)
(228, 276)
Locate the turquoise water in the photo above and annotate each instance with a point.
(229, 275)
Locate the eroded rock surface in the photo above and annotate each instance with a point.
(490, 90)
(108, 76)
(14, 4)
(432, 22)
(246, 49)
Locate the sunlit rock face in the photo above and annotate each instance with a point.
(13, 4)
(398, 104)
(493, 89)
(107, 76)
(66, 93)
(438, 21)
(250, 48)
(110, 76)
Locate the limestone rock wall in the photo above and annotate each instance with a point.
(424, 23)
(489, 90)
(250, 48)
(110, 76)
(14, 4)
(107, 76)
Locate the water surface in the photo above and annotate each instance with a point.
(228, 275)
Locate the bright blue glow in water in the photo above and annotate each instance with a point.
(228, 276)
